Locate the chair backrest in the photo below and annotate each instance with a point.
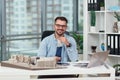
(48, 32)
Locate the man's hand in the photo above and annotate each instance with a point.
(57, 58)
(64, 40)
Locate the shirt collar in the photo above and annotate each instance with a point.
(55, 38)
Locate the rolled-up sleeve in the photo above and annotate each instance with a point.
(72, 51)
(42, 49)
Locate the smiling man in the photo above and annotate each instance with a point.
(59, 45)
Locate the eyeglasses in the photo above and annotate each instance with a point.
(63, 26)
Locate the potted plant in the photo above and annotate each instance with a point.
(79, 40)
(102, 6)
(117, 16)
(92, 21)
(117, 69)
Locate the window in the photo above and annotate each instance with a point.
(57, 1)
(66, 8)
(34, 9)
(65, 1)
(49, 2)
(24, 19)
(34, 2)
(49, 9)
(57, 8)
(35, 15)
(50, 15)
(49, 21)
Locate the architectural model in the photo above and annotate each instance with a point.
(26, 60)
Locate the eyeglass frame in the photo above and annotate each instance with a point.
(63, 26)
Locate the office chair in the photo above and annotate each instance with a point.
(49, 32)
(46, 33)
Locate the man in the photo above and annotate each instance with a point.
(59, 45)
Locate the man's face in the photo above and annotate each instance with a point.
(60, 27)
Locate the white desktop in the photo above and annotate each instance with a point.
(84, 68)
(7, 73)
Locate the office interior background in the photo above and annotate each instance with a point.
(23, 21)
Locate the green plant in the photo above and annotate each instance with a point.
(101, 4)
(93, 18)
(116, 66)
(117, 69)
(79, 40)
(117, 16)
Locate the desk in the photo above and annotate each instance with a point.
(7, 73)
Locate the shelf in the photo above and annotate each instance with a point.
(96, 33)
(110, 55)
(98, 11)
(105, 20)
(112, 33)
(114, 55)
(109, 11)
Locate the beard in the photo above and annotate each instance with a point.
(60, 32)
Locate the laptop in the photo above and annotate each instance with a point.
(96, 59)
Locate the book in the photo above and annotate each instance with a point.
(113, 44)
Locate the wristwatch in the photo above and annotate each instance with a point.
(69, 45)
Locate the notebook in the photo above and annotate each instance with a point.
(96, 59)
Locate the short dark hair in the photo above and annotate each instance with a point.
(61, 18)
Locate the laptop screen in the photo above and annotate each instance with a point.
(98, 58)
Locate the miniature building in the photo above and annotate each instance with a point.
(46, 62)
(20, 58)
